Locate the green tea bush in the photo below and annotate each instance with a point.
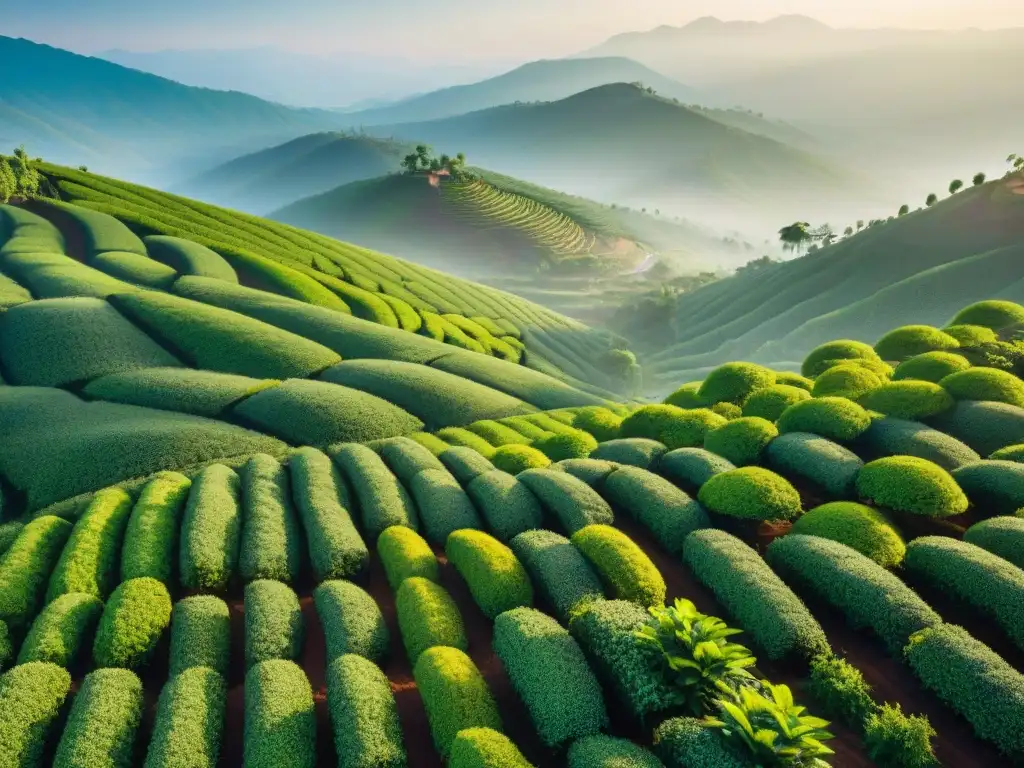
(622, 565)
(427, 617)
(569, 501)
(857, 526)
(827, 355)
(364, 718)
(134, 619)
(692, 467)
(455, 695)
(8, 533)
(518, 458)
(602, 423)
(601, 751)
(992, 313)
(590, 471)
(189, 258)
(211, 530)
(776, 620)
(507, 506)
(26, 566)
(443, 505)
(829, 466)
(525, 428)
(986, 581)
(1002, 536)
(1009, 453)
(434, 444)
(465, 463)
(280, 721)
(931, 366)
(633, 451)
(189, 721)
(971, 335)
(683, 742)
(686, 396)
(463, 438)
(6, 646)
(549, 672)
(383, 501)
(99, 231)
(272, 542)
(351, 620)
(497, 434)
(985, 384)
(868, 595)
(770, 402)
(31, 698)
(742, 440)
(790, 379)
(974, 681)
(406, 458)
(62, 630)
(670, 425)
(993, 487)
(841, 691)
(728, 411)
(200, 634)
(911, 340)
(336, 550)
(908, 399)
(733, 382)
(913, 485)
(849, 381)
(894, 739)
(485, 748)
(898, 437)
(88, 563)
(561, 574)
(53, 276)
(151, 539)
(667, 512)
(835, 418)
(102, 725)
(133, 268)
(274, 625)
(578, 445)
(985, 427)
(751, 493)
(496, 579)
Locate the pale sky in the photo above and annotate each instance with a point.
(441, 29)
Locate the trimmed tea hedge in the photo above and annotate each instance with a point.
(1009, 453)
(497, 434)
(133, 621)
(562, 575)
(31, 697)
(189, 258)
(910, 340)
(590, 471)
(465, 463)
(272, 542)
(104, 718)
(985, 427)
(867, 594)
(600, 751)
(211, 530)
(908, 399)
(827, 355)
(1002, 536)
(667, 512)
(577, 445)
(602, 423)
(496, 579)
(971, 335)
(857, 526)
(200, 634)
(151, 539)
(189, 721)
(485, 748)
(26, 566)
(404, 554)
(932, 366)
(427, 617)
(351, 620)
(633, 451)
(828, 465)
(507, 506)
(751, 493)
(383, 501)
(407, 458)
(570, 501)
(622, 565)
(280, 721)
(465, 439)
(835, 418)
(776, 620)
(692, 467)
(683, 742)
(892, 437)
(849, 381)
(992, 313)
(733, 382)
(62, 630)
(742, 440)
(518, 458)
(987, 384)
(443, 506)
(364, 718)
(274, 625)
(770, 402)
(8, 532)
(913, 485)
(993, 487)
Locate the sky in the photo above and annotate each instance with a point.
(443, 30)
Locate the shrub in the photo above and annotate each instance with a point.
(827, 355)
(683, 742)
(790, 379)
(551, 676)
(497, 434)
(986, 384)
(578, 445)
(200, 634)
(351, 620)
(751, 493)
(88, 563)
(8, 532)
(6, 646)
(444, 507)
(600, 751)
(770, 402)
(910, 484)
(602, 423)
(485, 748)
(867, 594)
(496, 579)
(733, 382)
(61, 630)
(104, 718)
(894, 739)
(741, 440)
(404, 553)
(992, 313)
(728, 411)
(911, 340)
(570, 501)
(1009, 453)
(466, 439)
(383, 501)
(775, 618)
(892, 437)
(658, 505)
(931, 366)
(849, 381)
(841, 691)
(986, 581)
(974, 681)
(670, 425)
(427, 617)
(455, 695)
(434, 444)
(506, 505)
(211, 530)
(829, 466)
(908, 399)
(518, 458)
(692, 467)
(633, 451)
(622, 565)
(971, 335)
(367, 731)
(562, 575)
(189, 721)
(336, 550)
(835, 418)
(994, 487)
(26, 566)
(985, 427)
(203, 393)
(133, 621)
(31, 697)
(686, 396)
(274, 625)
(465, 463)
(271, 534)
(280, 721)
(1002, 536)
(857, 526)
(407, 458)
(590, 471)
(152, 534)
(189, 258)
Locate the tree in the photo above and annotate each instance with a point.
(860, 224)
(8, 183)
(931, 200)
(796, 236)
(848, 231)
(979, 179)
(904, 209)
(955, 186)
(411, 163)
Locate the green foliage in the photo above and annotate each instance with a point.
(133, 268)
(211, 530)
(189, 258)
(26, 566)
(496, 579)
(6, 646)
(931, 366)
(777, 621)
(570, 501)
(911, 340)
(791, 379)
(729, 411)
(151, 536)
(895, 740)
(827, 355)
(551, 676)
(443, 505)
(455, 695)
(1002, 536)
(971, 335)
(841, 691)
(910, 484)
(751, 493)
(633, 451)
(590, 471)
(849, 381)
(274, 625)
(200, 634)
(31, 697)
(351, 620)
(692, 467)
(993, 487)
(867, 594)
(835, 418)
(831, 467)
(280, 721)
(973, 680)
(1009, 453)
(985, 427)
(986, 384)
(405, 554)
(52, 275)
(104, 718)
(383, 501)
(485, 748)
(518, 458)
(672, 426)
(561, 574)
(741, 440)
(88, 563)
(600, 751)
(407, 458)
(657, 504)
(62, 630)
(993, 314)
(427, 617)
(464, 438)
(465, 463)
(621, 564)
(734, 382)
(367, 731)
(684, 742)
(859, 527)
(271, 535)
(434, 444)
(497, 434)
(189, 721)
(603, 424)
(898, 437)
(578, 445)
(770, 402)
(506, 505)
(133, 621)
(9, 532)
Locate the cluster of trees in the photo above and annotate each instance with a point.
(17, 176)
(422, 161)
(800, 235)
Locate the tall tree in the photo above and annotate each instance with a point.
(848, 231)
(931, 200)
(796, 236)
(904, 209)
(979, 179)
(955, 186)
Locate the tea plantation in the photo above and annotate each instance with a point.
(272, 500)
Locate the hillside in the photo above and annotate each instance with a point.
(266, 180)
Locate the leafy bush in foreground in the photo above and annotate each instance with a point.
(26, 566)
(898, 437)
(31, 697)
(910, 484)
(280, 722)
(671, 425)
(518, 458)
(443, 505)
(404, 554)
(836, 418)
(931, 366)
(991, 313)
(770, 402)
(407, 458)
(101, 727)
(211, 530)
(692, 467)
(830, 466)
(189, 721)
(465, 463)
(908, 399)
(849, 381)
(570, 501)
(1002, 536)
(367, 732)
(894, 739)
(751, 493)
(622, 565)
(152, 534)
(633, 451)
(272, 542)
(562, 575)
(61, 630)
(790, 379)
(733, 382)
(840, 689)
(602, 423)
(741, 440)
(200, 634)
(578, 445)
(496, 579)
(827, 355)
(133, 620)
(506, 505)
(600, 751)
(351, 620)
(993, 487)
(857, 526)
(655, 503)
(427, 617)
(485, 748)
(910, 340)
(683, 742)
(985, 384)
(274, 625)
